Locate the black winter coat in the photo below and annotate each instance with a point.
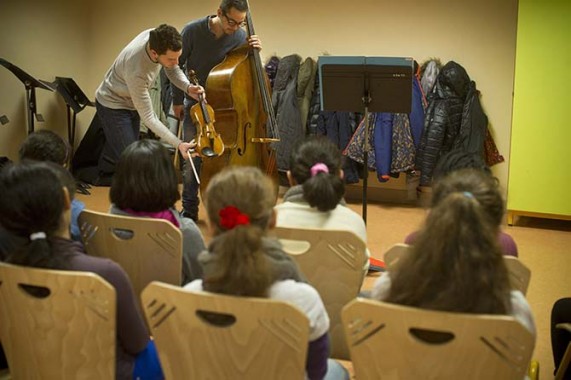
(474, 124)
(286, 109)
(314, 108)
(443, 118)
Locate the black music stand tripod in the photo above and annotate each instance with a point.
(75, 100)
(366, 84)
(30, 83)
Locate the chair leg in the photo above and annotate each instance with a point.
(533, 371)
(560, 374)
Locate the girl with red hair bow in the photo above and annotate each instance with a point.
(242, 261)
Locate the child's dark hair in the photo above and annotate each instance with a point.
(145, 178)
(316, 165)
(31, 208)
(244, 194)
(165, 37)
(45, 145)
(458, 159)
(456, 264)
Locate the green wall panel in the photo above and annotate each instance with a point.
(540, 172)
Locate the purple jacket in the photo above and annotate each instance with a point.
(506, 242)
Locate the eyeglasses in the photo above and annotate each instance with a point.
(232, 22)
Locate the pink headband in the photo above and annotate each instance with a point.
(318, 168)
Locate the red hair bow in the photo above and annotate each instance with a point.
(230, 217)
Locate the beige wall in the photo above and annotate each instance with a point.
(69, 39)
(46, 39)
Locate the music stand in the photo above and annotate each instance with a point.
(365, 84)
(30, 83)
(75, 100)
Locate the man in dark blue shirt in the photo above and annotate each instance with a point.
(205, 43)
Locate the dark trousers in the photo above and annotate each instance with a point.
(121, 128)
(561, 313)
(190, 186)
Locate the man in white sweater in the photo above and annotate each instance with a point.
(123, 99)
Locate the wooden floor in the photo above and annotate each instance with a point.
(544, 246)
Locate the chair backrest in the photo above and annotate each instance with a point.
(213, 336)
(333, 263)
(519, 274)
(394, 254)
(64, 328)
(147, 249)
(397, 342)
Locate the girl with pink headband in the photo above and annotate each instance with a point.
(315, 198)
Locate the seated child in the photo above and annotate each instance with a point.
(35, 206)
(457, 160)
(456, 263)
(239, 203)
(145, 185)
(315, 198)
(45, 145)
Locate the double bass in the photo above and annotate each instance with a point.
(239, 92)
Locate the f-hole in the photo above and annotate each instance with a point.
(242, 150)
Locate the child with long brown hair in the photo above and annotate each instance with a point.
(239, 203)
(494, 206)
(456, 263)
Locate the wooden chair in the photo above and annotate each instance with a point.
(389, 341)
(212, 336)
(147, 249)
(333, 263)
(520, 275)
(394, 254)
(64, 328)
